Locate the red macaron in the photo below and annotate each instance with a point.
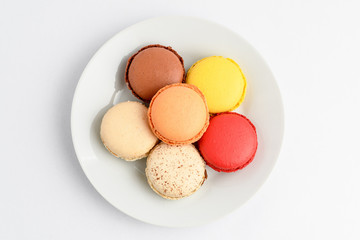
(229, 143)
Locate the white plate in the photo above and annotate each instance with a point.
(123, 184)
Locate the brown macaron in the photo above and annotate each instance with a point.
(152, 68)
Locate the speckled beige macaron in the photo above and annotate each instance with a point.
(175, 172)
(125, 131)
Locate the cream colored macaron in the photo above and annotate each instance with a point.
(175, 172)
(125, 131)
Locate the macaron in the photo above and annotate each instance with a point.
(175, 172)
(220, 80)
(125, 131)
(229, 143)
(178, 114)
(152, 68)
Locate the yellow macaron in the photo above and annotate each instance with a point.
(220, 80)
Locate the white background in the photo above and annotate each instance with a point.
(313, 48)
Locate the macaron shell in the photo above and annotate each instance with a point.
(230, 142)
(125, 131)
(175, 172)
(152, 68)
(221, 81)
(178, 114)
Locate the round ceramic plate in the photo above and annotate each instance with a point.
(123, 184)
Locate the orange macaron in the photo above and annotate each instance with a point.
(178, 114)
